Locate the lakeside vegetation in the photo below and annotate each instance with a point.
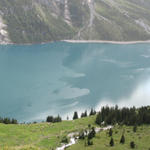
(127, 132)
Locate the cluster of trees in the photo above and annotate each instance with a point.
(65, 140)
(92, 112)
(84, 114)
(8, 121)
(127, 116)
(88, 135)
(75, 116)
(122, 139)
(53, 119)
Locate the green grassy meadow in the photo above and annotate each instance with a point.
(101, 141)
(41, 136)
(47, 136)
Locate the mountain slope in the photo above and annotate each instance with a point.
(36, 21)
(48, 136)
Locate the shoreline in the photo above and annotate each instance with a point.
(81, 41)
(107, 42)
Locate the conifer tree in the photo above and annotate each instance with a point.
(110, 132)
(111, 142)
(132, 144)
(122, 140)
(134, 128)
(75, 116)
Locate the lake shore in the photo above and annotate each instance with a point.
(107, 42)
(81, 41)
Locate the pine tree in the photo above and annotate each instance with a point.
(134, 128)
(75, 116)
(122, 140)
(98, 118)
(111, 142)
(85, 114)
(110, 132)
(91, 112)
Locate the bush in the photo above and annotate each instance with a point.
(64, 140)
(132, 144)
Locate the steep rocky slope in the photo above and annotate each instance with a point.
(36, 21)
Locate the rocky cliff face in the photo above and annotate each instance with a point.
(36, 21)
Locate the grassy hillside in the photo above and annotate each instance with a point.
(36, 21)
(44, 136)
(41, 136)
(101, 141)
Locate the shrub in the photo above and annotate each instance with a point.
(64, 140)
(132, 144)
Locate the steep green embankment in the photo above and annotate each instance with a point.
(36, 21)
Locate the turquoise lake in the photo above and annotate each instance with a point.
(60, 78)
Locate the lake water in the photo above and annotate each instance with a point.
(59, 78)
